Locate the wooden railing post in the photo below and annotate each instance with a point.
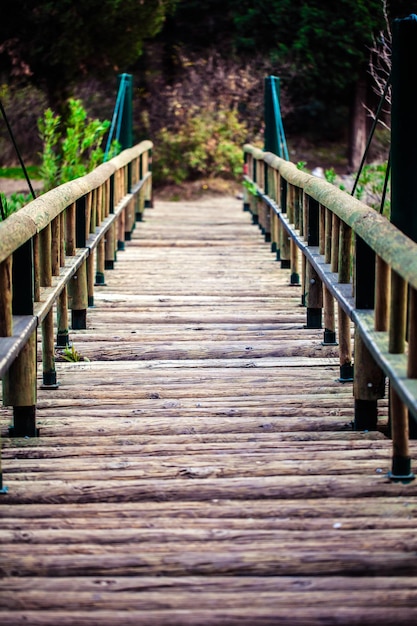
(6, 319)
(62, 337)
(369, 380)
(47, 252)
(314, 287)
(329, 335)
(19, 391)
(19, 382)
(78, 298)
(401, 460)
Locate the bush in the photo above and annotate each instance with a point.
(12, 203)
(70, 150)
(206, 143)
(370, 187)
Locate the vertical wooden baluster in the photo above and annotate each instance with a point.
(382, 294)
(303, 280)
(70, 231)
(109, 248)
(55, 245)
(329, 335)
(412, 352)
(412, 334)
(314, 287)
(322, 230)
(36, 269)
(94, 210)
(401, 460)
(78, 298)
(45, 240)
(314, 297)
(90, 279)
(334, 258)
(277, 223)
(328, 223)
(130, 220)
(148, 184)
(49, 240)
(62, 243)
(19, 391)
(345, 346)
(121, 227)
(99, 205)
(48, 352)
(369, 379)
(295, 255)
(100, 268)
(398, 317)
(62, 338)
(88, 209)
(6, 318)
(19, 382)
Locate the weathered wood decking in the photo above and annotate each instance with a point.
(200, 468)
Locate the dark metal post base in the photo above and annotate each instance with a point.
(346, 373)
(24, 422)
(314, 318)
(401, 470)
(79, 319)
(366, 415)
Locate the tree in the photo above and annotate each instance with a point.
(54, 43)
(329, 49)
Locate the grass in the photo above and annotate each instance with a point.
(17, 172)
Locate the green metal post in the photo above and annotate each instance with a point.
(126, 128)
(272, 143)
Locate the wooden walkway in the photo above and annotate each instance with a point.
(200, 468)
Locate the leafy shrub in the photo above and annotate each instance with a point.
(70, 150)
(370, 187)
(205, 143)
(12, 203)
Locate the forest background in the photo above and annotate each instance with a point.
(198, 71)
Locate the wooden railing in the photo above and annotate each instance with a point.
(347, 256)
(52, 253)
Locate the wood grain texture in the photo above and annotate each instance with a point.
(201, 469)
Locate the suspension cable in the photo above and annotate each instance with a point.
(19, 156)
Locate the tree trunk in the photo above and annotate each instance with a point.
(358, 124)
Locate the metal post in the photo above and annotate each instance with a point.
(403, 191)
(126, 127)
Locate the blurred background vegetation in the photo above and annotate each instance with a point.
(198, 71)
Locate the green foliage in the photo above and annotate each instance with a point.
(302, 165)
(75, 153)
(17, 172)
(370, 187)
(251, 187)
(205, 143)
(330, 175)
(12, 203)
(72, 355)
(52, 43)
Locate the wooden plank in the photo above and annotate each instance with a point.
(182, 478)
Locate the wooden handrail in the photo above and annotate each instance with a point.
(48, 251)
(354, 256)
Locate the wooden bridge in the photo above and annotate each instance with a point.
(210, 463)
